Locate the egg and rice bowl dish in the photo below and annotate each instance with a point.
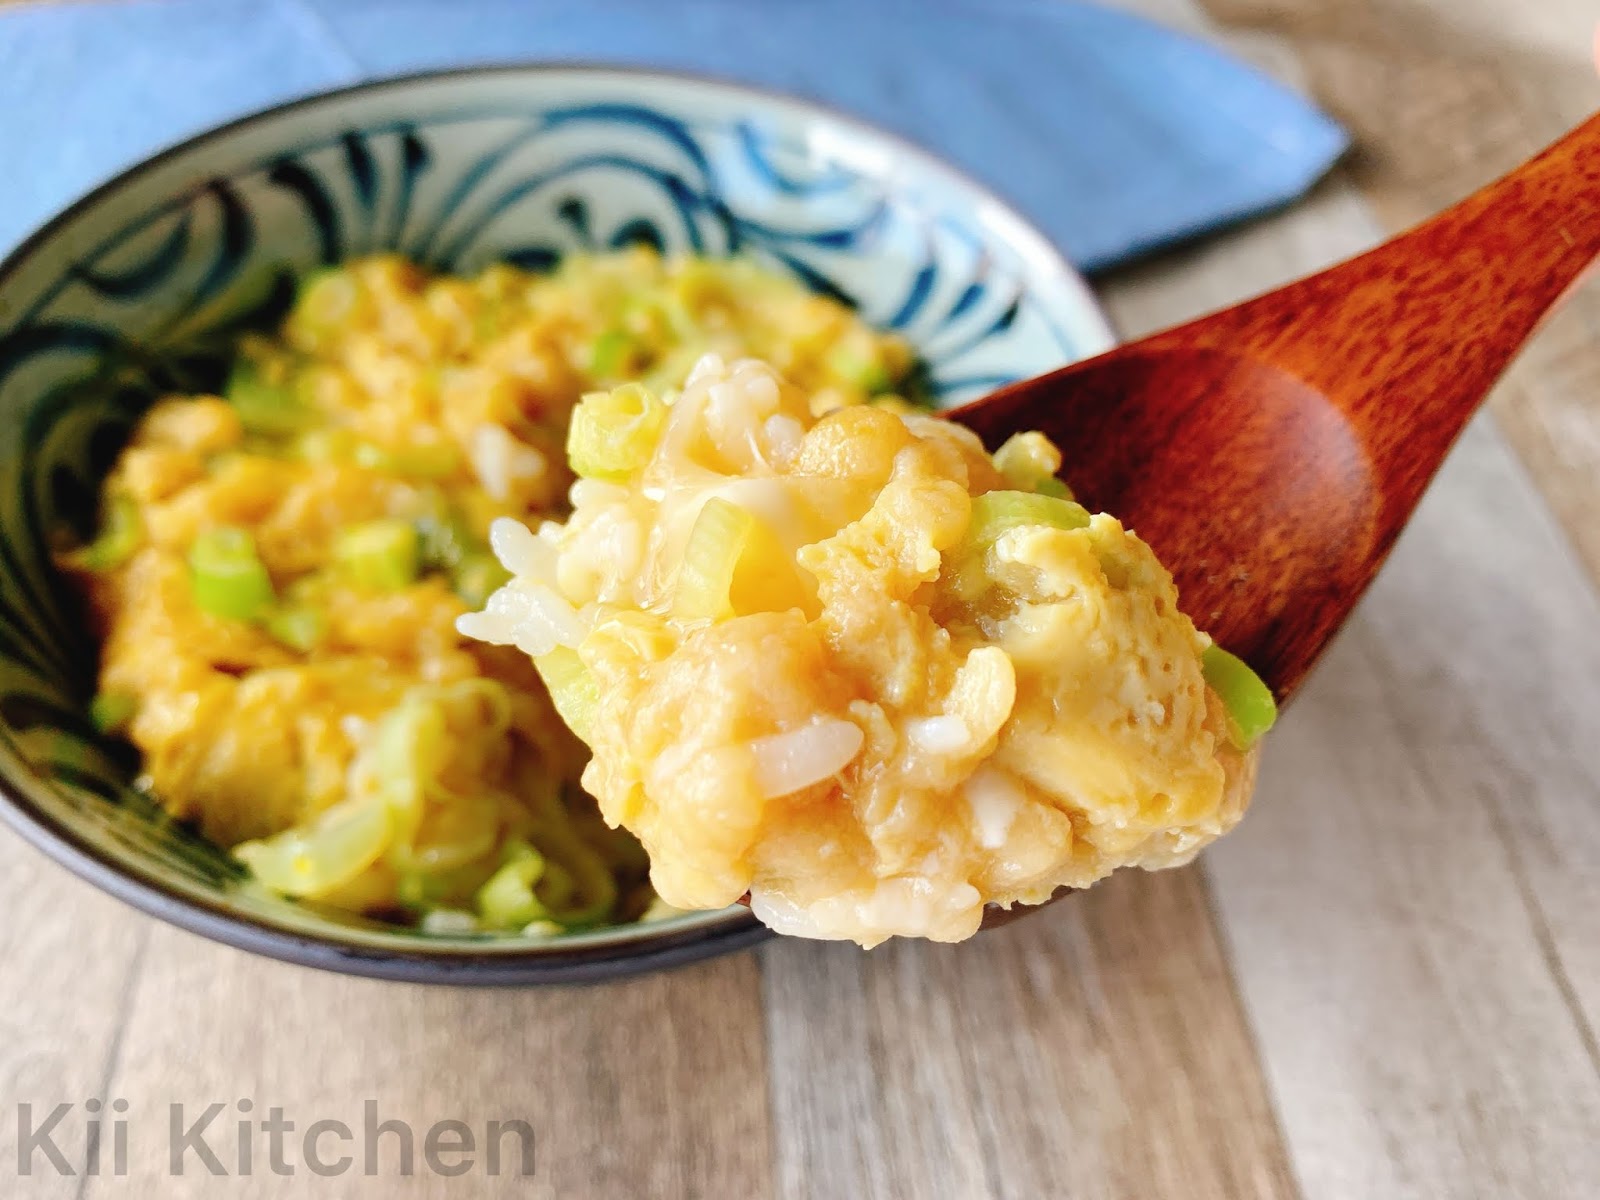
(447, 548)
(280, 569)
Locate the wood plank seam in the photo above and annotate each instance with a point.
(1251, 1032)
(113, 1057)
(1533, 909)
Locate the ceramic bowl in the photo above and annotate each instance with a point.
(137, 289)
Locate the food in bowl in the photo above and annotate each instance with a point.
(136, 292)
(845, 661)
(281, 568)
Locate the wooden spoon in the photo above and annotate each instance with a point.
(1272, 452)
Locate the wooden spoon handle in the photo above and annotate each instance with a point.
(1407, 339)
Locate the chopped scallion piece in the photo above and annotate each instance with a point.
(345, 840)
(263, 406)
(868, 374)
(418, 891)
(408, 750)
(111, 711)
(489, 319)
(477, 576)
(507, 900)
(587, 890)
(435, 460)
(614, 433)
(325, 446)
(717, 541)
(298, 627)
(1251, 708)
(117, 540)
(993, 513)
(444, 541)
(383, 556)
(572, 689)
(324, 298)
(610, 354)
(226, 575)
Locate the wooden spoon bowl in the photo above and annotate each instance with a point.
(1272, 452)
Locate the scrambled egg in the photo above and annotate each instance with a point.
(844, 660)
(283, 567)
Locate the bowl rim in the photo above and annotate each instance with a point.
(663, 946)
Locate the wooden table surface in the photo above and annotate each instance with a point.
(1386, 984)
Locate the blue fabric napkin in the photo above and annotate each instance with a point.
(1111, 134)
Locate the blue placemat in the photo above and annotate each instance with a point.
(1115, 136)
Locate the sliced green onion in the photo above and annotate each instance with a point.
(325, 446)
(406, 754)
(868, 374)
(993, 513)
(572, 689)
(580, 880)
(111, 711)
(418, 891)
(325, 297)
(298, 626)
(117, 540)
(314, 279)
(435, 460)
(614, 433)
(460, 829)
(265, 407)
(721, 532)
(680, 319)
(382, 556)
(443, 539)
(477, 577)
(226, 575)
(489, 319)
(1051, 486)
(507, 900)
(610, 353)
(1251, 708)
(346, 840)
(584, 872)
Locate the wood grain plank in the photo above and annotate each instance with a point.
(648, 1087)
(1094, 1050)
(1413, 908)
(1444, 95)
(68, 956)
(1390, 903)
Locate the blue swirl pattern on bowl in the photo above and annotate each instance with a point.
(140, 289)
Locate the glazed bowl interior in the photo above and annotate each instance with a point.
(139, 289)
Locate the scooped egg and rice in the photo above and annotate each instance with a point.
(817, 646)
(844, 660)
